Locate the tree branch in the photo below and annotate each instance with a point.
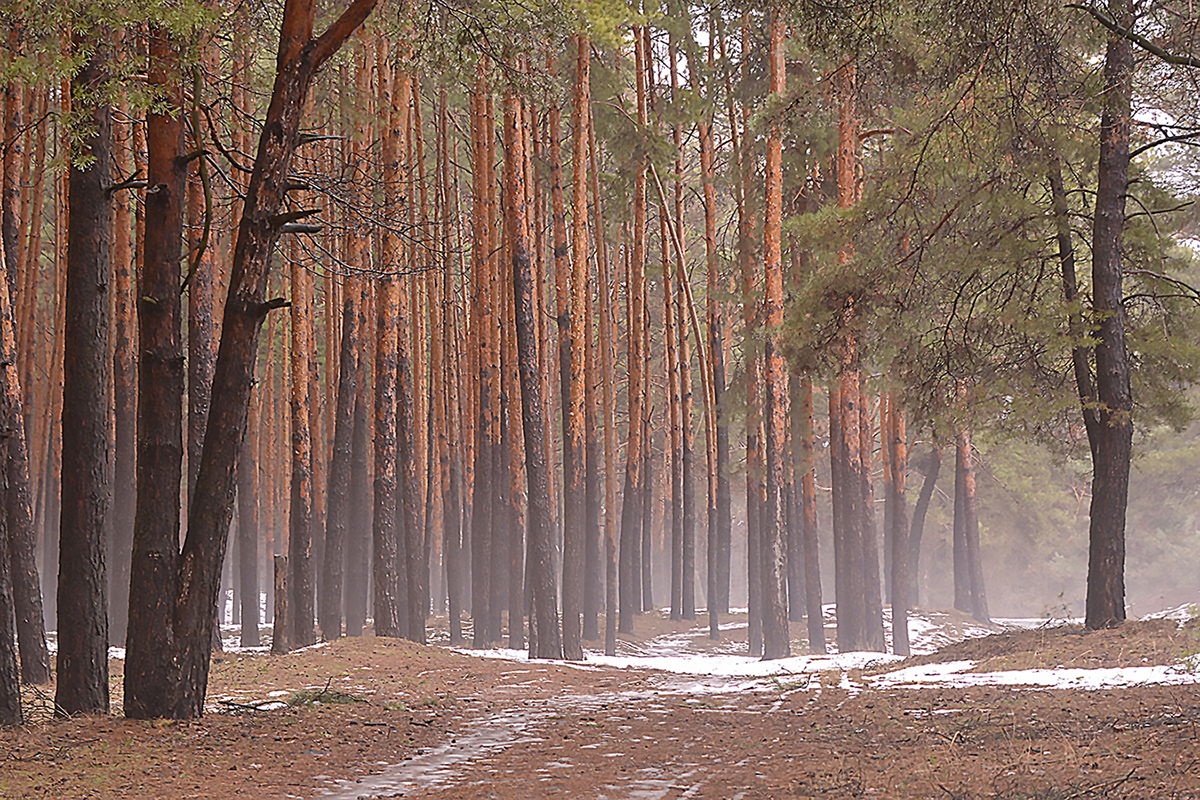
(342, 28)
(1138, 39)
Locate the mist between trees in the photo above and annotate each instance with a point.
(542, 317)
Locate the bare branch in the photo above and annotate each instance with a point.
(1138, 39)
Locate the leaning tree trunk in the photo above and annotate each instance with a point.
(183, 682)
(917, 529)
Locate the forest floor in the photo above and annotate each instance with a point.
(380, 718)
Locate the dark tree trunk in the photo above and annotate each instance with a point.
(646, 503)
(247, 525)
(409, 485)
(86, 493)
(1111, 440)
(544, 639)
(281, 624)
(574, 444)
(593, 591)
(385, 546)
(845, 455)
(797, 598)
(10, 682)
(773, 555)
(593, 576)
(501, 518)
(20, 593)
(894, 440)
(631, 510)
(917, 529)
(153, 586)
(872, 585)
(808, 509)
(687, 472)
(10, 192)
(978, 596)
(21, 534)
(485, 423)
(358, 534)
(337, 508)
(179, 687)
(962, 573)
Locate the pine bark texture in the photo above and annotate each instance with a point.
(1113, 440)
(82, 674)
(180, 685)
(776, 640)
(545, 637)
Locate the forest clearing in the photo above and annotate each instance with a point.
(379, 718)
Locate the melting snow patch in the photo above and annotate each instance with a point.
(955, 674)
(746, 666)
(1181, 614)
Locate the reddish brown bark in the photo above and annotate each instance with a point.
(774, 523)
(183, 683)
(575, 453)
(631, 511)
(545, 639)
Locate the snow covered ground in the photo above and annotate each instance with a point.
(928, 631)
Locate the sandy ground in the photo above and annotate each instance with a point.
(374, 718)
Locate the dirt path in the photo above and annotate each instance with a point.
(375, 718)
(651, 740)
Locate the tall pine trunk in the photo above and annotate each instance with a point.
(1112, 440)
(776, 641)
(337, 511)
(631, 511)
(545, 638)
(248, 522)
(155, 557)
(86, 493)
(894, 440)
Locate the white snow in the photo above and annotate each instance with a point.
(744, 666)
(955, 674)
(723, 671)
